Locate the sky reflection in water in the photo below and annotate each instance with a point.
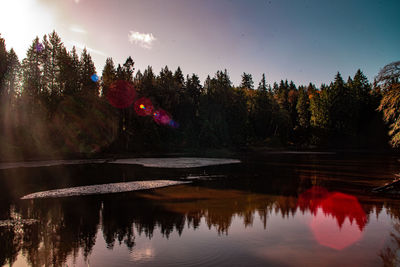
(209, 223)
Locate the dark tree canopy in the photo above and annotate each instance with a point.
(54, 102)
(247, 81)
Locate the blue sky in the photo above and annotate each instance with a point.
(303, 41)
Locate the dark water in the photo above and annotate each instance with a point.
(271, 210)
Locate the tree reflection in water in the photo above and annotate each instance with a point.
(68, 226)
(330, 207)
(390, 255)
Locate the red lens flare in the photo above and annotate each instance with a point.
(311, 199)
(143, 107)
(121, 94)
(338, 220)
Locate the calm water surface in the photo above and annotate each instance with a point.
(277, 209)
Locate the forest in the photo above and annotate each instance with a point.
(54, 104)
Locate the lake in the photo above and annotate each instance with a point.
(271, 209)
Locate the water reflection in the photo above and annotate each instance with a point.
(253, 216)
(338, 219)
(68, 226)
(390, 255)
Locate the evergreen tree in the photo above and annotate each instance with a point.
(3, 64)
(127, 70)
(32, 75)
(167, 93)
(261, 114)
(179, 84)
(213, 111)
(263, 84)
(52, 67)
(247, 81)
(275, 88)
(12, 77)
(341, 107)
(207, 84)
(292, 102)
(178, 77)
(69, 72)
(303, 108)
(320, 107)
(138, 79)
(361, 87)
(148, 85)
(87, 69)
(282, 94)
(109, 75)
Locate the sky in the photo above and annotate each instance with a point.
(303, 40)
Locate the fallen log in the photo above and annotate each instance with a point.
(389, 188)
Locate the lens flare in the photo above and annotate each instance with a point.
(39, 47)
(161, 117)
(94, 77)
(143, 107)
(121, 94)
(338, 219)
(173, 124)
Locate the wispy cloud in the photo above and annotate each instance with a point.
(77, 29)
(82, 46)
(77, 1)
(144, 40)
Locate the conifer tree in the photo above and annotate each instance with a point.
(69, 72)
(178, 77)
(127, 70)
(247, 81)
(12, 77)
(32, 75)
(263, 84)
(87, 69)
(109, 75)
(3, 64)
(303, 108)
(52, 65)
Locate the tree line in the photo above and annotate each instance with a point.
(52, 102)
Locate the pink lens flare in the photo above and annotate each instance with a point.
(161, 117)
(338, 219)
(121, 94)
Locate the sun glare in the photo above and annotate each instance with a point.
(21, 21)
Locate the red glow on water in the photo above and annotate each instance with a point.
(311, 199)
(121, 94)
(143, 107)
(344, 206)
(338, 219)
